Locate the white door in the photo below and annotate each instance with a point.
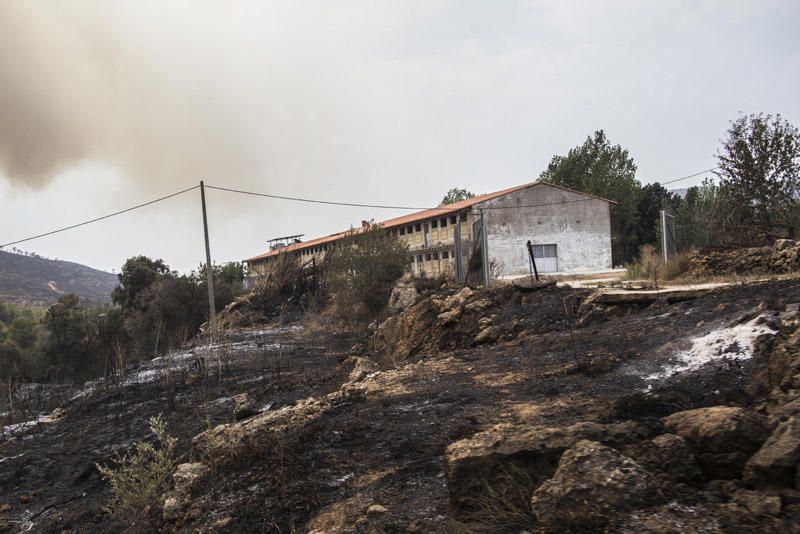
(546, 257)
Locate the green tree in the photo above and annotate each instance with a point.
(759, 167)
(456, 195)
(361, 269)
(654, 197)
(606, 170)
(137, 273)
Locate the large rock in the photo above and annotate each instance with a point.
(723, 437)
(776, 462)
(507, 454)
(593, 485)
(403, 296)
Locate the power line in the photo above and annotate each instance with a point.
(690, 176)
(96, 219)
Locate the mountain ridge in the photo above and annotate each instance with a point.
(33, 280)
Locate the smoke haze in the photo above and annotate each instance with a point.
(104, 104)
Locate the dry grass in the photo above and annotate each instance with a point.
(650, 266)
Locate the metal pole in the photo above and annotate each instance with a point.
(664, 235)
(212, 307)
(485, 250)
(457, 249)
(532, 260)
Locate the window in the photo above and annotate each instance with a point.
(453, 219)
(402, 231)
(443, 222)
(463, 217)
(445, 255)
(410, 229)
(434, 224)
(427, 257)
(418, 228)
(419, 258)
(546, 258)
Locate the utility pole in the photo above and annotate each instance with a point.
(212, 307)
(485, 247)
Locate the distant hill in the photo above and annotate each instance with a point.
(32, 280)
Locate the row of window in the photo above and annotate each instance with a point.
(434, 256)
(434, 223)
(314, 250)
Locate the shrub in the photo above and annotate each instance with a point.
(361, 269)
(139, 479)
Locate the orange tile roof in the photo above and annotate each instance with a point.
(417, 216)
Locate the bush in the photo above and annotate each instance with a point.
(140, 479)
(361, 269)
(650, 266)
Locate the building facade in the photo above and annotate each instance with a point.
(570, 232)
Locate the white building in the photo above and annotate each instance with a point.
(570, 232)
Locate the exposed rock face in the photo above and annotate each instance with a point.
(593, 484)
(775, 463)
(723, 437)
(782, 257)
(674, 457)
(508, 454)
(403, 296)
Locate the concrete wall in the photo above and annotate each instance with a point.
(581, 230)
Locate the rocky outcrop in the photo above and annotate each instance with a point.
(508, 454)
(592, 485)
(776, 462)
(243, 407)
(782, 257)
(723, 437)
(404, 295)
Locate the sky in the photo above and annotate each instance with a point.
(109, 104)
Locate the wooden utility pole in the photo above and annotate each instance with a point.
(485, 247)
(212, 307)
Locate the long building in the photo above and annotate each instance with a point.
(570, 232)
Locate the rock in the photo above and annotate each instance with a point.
(757, 503)
(675, 458)
(782, 244)
(592, 485)
(243, 407)
(775, 462)
(512, 454)
(375, 510)
(361, 368)
(403, 296)
(458, 300)
(171, 510)
(5, 507)
(530, 284)
(478, 305)
(723, 437)
(483, 322)
(489, 334)
(187, 476)
(449, 317)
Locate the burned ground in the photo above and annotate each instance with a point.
(323, 464)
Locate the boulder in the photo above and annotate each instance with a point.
(403, 296)
(675, 458)
(457, 300)
(362, 367)
(478, 305)
(775, 463)
(592, 485)
(188, 476)
(723, 437)
(495, 459)
(782, 244)
(243, 407)
(375, 510)
(490, 334)
(757, 503)
(449, 317)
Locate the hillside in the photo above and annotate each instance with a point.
(32, 280)
(486, 410)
